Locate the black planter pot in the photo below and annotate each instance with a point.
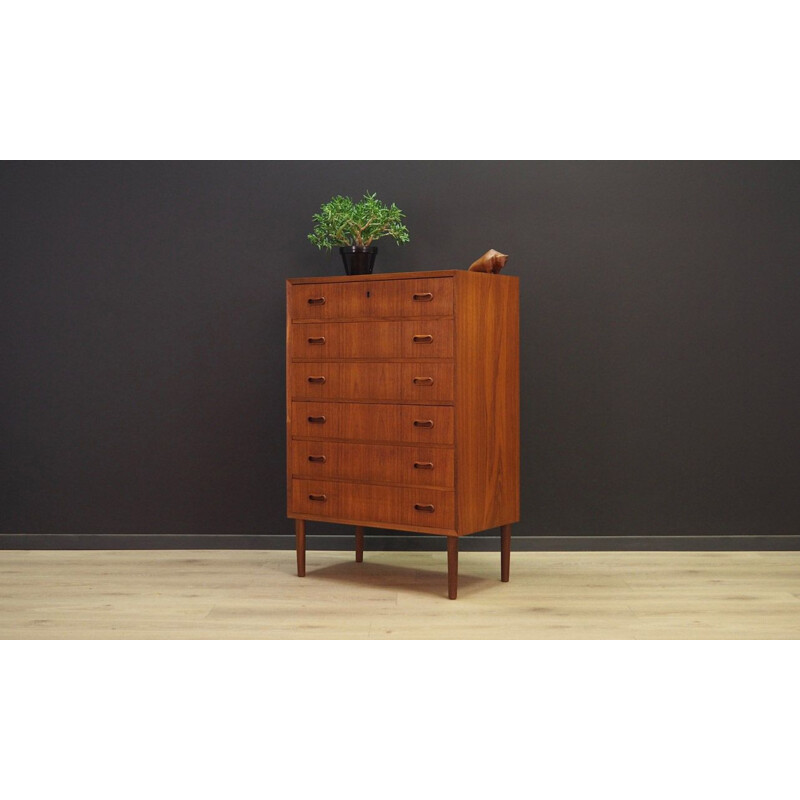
(358, 260)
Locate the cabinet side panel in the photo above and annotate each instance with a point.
(487, 401)
(288, 397)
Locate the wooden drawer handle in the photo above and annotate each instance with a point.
(421, 297)
(423, 423)
(423, 465)
(316, 340)
(317, 420)
(316, 301)
(421, 381)
(321, 498)
(316, 379)
(428, 507)
(317, 459)
(423, 339)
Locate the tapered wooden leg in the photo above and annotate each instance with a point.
(359, 544)
(300, 536)
(452, 567)
(505, 552)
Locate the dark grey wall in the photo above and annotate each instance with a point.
(142, 342)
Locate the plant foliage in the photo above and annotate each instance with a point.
(343, 223)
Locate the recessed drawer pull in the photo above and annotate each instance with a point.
(420, 381)
(428, 507)
(420, 297)
(317, 420)
(422, 423)
(317, 459)
(316, 340)
(316, 379)
(321, 498)
(423, 465)
(422, 339)
(316, 301)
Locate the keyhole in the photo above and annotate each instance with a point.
(367, 294)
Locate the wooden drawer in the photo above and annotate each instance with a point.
(373, 463)
(400, 339)
(422, 297)
(424, 382)
(371, 504)
(372, 422)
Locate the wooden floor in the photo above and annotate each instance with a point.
(255, 594)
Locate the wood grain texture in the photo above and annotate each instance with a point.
(366, 368)
(394, 526)
(373, 422)
(378, 276)
(346, 298)
(288, 387)
(487, 400)
(408, 382)
(407, 465)
(431, 338)
(373, 504)
(255, 594)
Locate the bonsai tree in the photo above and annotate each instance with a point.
(341, 222)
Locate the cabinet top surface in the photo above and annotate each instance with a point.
(390, 276)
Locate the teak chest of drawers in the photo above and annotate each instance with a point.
(402, 405)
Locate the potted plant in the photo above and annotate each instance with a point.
(354, 227)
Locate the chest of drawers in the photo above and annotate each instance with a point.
(402, 405)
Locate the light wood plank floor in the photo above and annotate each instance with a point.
(255, 594)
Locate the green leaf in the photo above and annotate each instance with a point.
(340, 222)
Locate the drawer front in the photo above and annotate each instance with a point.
(370, 422)
(422, 297)
(357, 502)
(373, 463)
(423, 382)
(401, 339)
